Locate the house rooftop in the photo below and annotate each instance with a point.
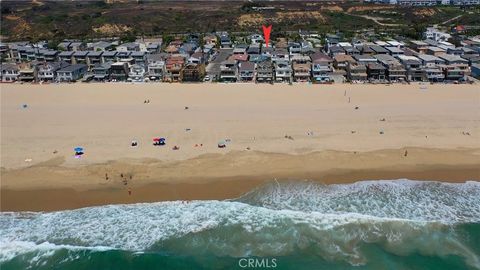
(246, 66)
(229, 62)
(452, 58)
(124, 54)
(428, 57)
(418, 43)
(376, 66)
(280, 51)
(239, 57)
(121, 64)
(364, 57)
(264, 65)
(72, 68)
(302, 58)
(65, 53)
(381, 43)
(94, 53)
(431, 42)
(408, 59)
(351, 49)
(50, 53)
(105, 65)
(302, 66)
(435, 49)
(386, 59)
(64, 44)
(53, 65)
(394, 50)
(153, 46)
(137, 54)
(157, 57)
(344, 44)
(129, 45)
(9, 66)
(336, 49)
(101, 44)
(394, 43)
(473, 58)
(344, 58)
(378, 49)
(197, 55)
(80, 53)
(241, 46)
(77, 43)
(445, 43)
(109, 53)
(320, 57)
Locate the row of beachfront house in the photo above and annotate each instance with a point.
(381, 61)
(103, 61)
(173, 68)
(306, 60)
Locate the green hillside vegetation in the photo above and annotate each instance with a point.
(90, 19)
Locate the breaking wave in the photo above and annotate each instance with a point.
(331, 222)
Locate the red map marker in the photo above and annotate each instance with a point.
(266, 33)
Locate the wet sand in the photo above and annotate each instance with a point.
(48, 187)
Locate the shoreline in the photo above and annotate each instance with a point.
(153, 185)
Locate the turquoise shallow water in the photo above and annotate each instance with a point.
(397, 224)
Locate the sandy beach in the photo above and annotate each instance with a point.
(325, 133)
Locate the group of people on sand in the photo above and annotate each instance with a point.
(124, 179)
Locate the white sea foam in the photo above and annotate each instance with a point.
(403, 217)
(403, 198)
(11, 249)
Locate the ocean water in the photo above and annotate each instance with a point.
(390, 224)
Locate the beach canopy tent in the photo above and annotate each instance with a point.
(158, 141)
(221, 144)
(78, 151)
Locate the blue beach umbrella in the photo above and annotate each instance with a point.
(78, 149)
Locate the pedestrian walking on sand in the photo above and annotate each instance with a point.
(406, 153)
